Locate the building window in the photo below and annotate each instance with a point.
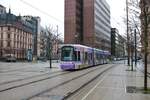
(1, 28)
(1, 43)
(8, 44)
(17, 44)
(8, 28)
(1, 35)
(15, 37)
(8, 36)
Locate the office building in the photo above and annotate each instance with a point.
(87, 22)
(118, 44)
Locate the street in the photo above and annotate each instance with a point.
(74, 50)
(36, 81)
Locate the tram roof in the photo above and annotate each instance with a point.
(89, 48)
(75, 45)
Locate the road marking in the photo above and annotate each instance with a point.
(94, 87)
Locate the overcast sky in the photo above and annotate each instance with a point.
(52, 11)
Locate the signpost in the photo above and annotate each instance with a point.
(29, 54)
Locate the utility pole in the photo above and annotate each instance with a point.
(128, 38)
(57, 44)
(49, 47)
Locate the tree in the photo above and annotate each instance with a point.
(128, 38)
(133, 23)
(145, 20)
(51, 40)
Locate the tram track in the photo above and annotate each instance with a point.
(70, 80)
(17, 69)
(28, 83)
(26, 78)
(13, 70)
(68, 95)
(31, 82)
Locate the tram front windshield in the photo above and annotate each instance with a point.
(68, 54)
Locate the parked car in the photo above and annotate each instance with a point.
(9, 58)
(42, 59)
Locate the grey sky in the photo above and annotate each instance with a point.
(52, 11)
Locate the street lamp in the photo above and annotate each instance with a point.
(128, 38)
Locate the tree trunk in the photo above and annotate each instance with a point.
(131, 57)
(145, 71)
(50, 61)
(128, 38)
(50, 56)
(135, 48)
(145, 45)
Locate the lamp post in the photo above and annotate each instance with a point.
(128, 38)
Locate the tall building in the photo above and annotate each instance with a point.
(35, 22)
(88, 22)
(43, 42)
(147, 9)
(117, 44)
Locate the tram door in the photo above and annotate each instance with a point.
(85, 58)
(90, 59)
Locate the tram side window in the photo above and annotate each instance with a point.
(85, 57)
(76, 56)
(97, 56)
(91, 56)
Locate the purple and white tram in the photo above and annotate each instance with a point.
(75, 56)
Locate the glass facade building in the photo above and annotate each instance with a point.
(87, 22)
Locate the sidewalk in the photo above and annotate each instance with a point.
(120, 84)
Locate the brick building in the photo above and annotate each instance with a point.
(87, 22)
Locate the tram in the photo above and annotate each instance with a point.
(76, 56)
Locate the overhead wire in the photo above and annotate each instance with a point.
(41, 11)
